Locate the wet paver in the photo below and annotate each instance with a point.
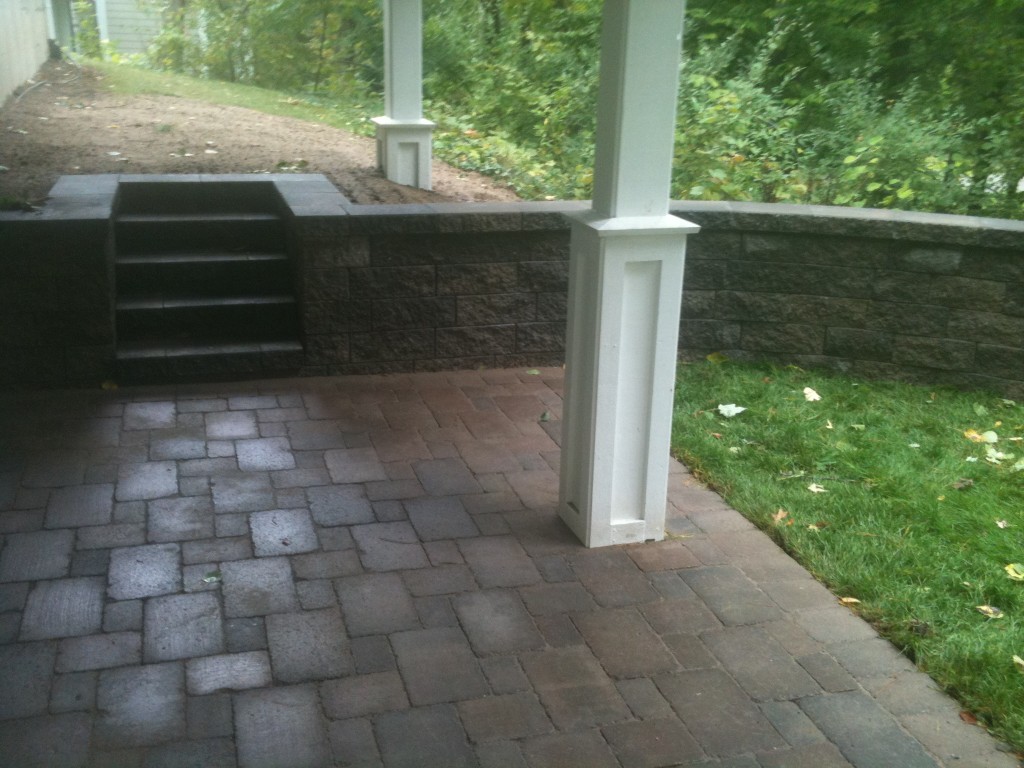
(371, 571)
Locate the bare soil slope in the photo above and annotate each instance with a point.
(72, 124)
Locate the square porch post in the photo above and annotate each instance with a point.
(403, 137)
(625, 288)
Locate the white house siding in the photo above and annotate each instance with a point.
(23, 47)
(131, 25)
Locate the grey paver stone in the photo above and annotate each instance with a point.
(821, 755)
(353, 743)
(268, 453)
(499, 718)
(873, 657)
(670, 586)
(389, 547)
(690, 616)
(612, 578)
(114, 535)
(828, 672)
(52, 469)
(834, 625)
(122, 616)
(864, 732)
(228, 672)
(182, 626)
(282, 532)
(958, 743)
(690, 651)
(423, 736)
(759, 663)
(185, 443)
(799, 594)
(90, 562)
(440, 518)
(231, 425)
(36, 555)
(792, 723)
(153, 569)
(208, 753)
(500, 754)
(27, 671)
(436, 611)
(63, 608)
(376, 604)
(209, 716)
(550, 599)
(372, 654)
(446, 477)
(311, 645)
(440, 580)
(667, 555)
(216, 550)
(156, 415)
(718, 713)
(41, 742)
(438, 666)
(644, 699)
(354, 465)
(180, 519)
(316, 594)
(363, 695)
(583, 749)
(625, 643)
(149, 480)
(280, 726)
(326, 565)
(80, 505)
(245, 493)
(246, 634)
(652, 744)
(497, 622)
(505, 674)
(499, 561)
(13, 596)
(558, 631)
(315, 435)
(577, 707)
(339, 505)
(73, 692)
(731, 595)
(112, 649)
(140, 706)
(258, 587)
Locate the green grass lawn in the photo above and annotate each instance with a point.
(889, 494)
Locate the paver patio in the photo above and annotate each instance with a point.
(370, 571)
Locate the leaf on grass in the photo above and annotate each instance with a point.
(730, 409)
(849, 601)
(1018, 662)
(717, 358)
(779, 516)
(968, 718)
(1017, 466)
(1002, 524)
(963, 483)
(1015, 571)
(971, 459)
(818, 526)
(992, 456)
(858, 427)
(734, 449)
(990, 611)
(980, 409)
(810, 395)
(828, 424)
(981, 437)
(790, 475)
(716, 435)
(815, 488)
(913, 445)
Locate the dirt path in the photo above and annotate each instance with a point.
(73, 125)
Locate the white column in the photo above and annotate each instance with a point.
(102, 22)
(403, 136)
(625, 289)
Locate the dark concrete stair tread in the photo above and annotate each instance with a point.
(152, 350)
(201, 257)
(166, 218)
(128, 303)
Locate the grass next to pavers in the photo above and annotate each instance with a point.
(894, 495)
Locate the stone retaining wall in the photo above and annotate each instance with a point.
(423, 287)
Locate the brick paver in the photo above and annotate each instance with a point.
(370, 571)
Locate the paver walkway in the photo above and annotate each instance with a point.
(369, 571)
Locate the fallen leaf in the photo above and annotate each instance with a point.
(716, 435)
(810, 395)
(108, 385)
(968, 718)
(734, 449)
(546, 416)
(815, 488)
(791, 474)
(779, 516)
(212, 577)
(990, 611)
(1015, 571)
(731, 409)
(913, 445)
(828, 424)
(818, 526)
(980, 409)
(1018, 662)
(717, 358)
(1002, 524)
(962, 483)
(971, 459)
(983, 437)
(858, 427)
(533, 372)
(114, 154)
(849, 601)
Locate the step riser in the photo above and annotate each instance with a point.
(197, 198)
(208, 367)
(198, 235)
(205, 279)
(237, 322)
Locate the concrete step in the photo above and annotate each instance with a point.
(149, 233)
(203, 273)
(206, 360)
(178, 318)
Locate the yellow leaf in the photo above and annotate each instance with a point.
(108, 385)
(990, 611)
(717, 358)
(815, 488)
(1018, 662)
(849, 600)
(1015, 571)
(810, 395)
(779, 516)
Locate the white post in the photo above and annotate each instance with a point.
(403, 136)
(102, 22)
(625, 288)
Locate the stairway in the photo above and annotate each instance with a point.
(205, 286)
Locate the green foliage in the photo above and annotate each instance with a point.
(910, 105)
(915, 520)
(87, 31)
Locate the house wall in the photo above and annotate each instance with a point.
(23, 46)
(131, 24)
